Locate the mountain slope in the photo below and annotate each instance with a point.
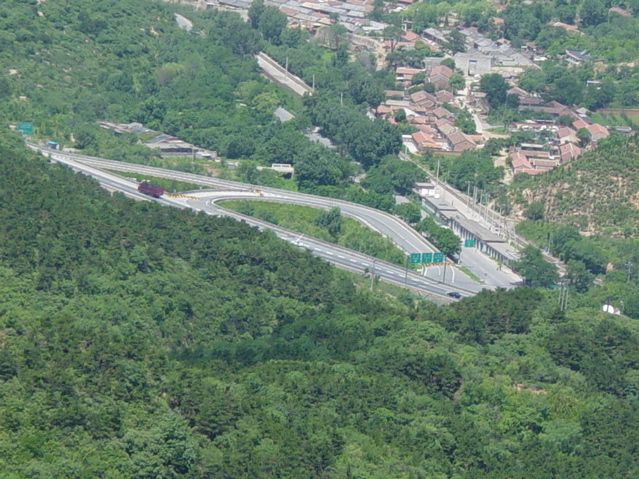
(598, 193)
(139, 341)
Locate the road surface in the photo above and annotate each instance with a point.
(341, 257)
(405, 237)
(278, 74)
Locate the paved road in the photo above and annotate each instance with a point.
(277, 73)
(386, 224)
(341, 257)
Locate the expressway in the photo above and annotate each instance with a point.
(405, 237)
(341, 257)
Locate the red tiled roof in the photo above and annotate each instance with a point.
(597, 131)
(407, 71)
(428, 129)
(519, 160)
(569, 151)
(565, 132)
(422, 96)
(441, 112)
(416, 120)
(444, 96)
(410, 36)
(579, 124)
(442, 70)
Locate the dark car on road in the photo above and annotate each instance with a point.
(455, 294)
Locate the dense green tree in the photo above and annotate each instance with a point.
(578, 276)
(444, 238)
(565, 87)
(255, 12)
(5, 87)
(85, 138)
(456, 41)
(509, 313)
(331, 220)
(457, 81)
(495, 87)
(583, 135)
(535, 211)
(271, 24)
(536, 271)
(409, 212)
(592, 12)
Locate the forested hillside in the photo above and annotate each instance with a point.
(67, 64)
(141, 341)
(598, 193)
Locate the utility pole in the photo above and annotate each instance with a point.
(406, 272)
(563, 296)
(313, 81)
(437, 174)
(629, 265)
(373, 276)
(286, 66)
(444, 275)
(341, 99)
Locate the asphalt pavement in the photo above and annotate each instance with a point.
(341, 257)
(398, 231)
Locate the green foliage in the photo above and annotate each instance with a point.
(488, 317)
(475, 167)
(444, 238)
(328, 225)
(592, 12)
(144, 341)
(578, 275)
(456, 81)
(465, 122)
(611, 170)
(536, 271)
(601, 350)
(495, 87)
(331, 220)
(365, 140)
(535, 211)
(584, 137)
(409, 212)
(393, 175)
(456, 41)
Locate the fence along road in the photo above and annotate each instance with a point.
(280, 75)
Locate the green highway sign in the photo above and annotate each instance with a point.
(438, 257)
(25, 128)
(415, 258)
(427, 258)
(469, 243)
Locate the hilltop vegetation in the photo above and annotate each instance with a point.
(597, 193)
(142, 341)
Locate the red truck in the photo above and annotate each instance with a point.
(150, 189)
